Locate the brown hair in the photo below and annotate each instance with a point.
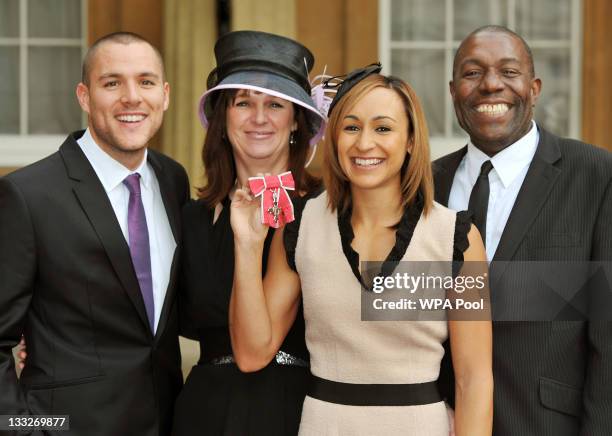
(218, 157)
(416, 174)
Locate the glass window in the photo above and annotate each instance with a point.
(9, 18)
(9, 90)
(47, 20)
(417, 20)
(41, 46)
(52, 103)
(418, 40)
(553, 66)
(427, 69)
(471, 14)
(544, 19)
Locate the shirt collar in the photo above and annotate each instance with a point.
(110, 172)
(509, 162)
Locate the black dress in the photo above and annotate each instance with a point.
(217, 398)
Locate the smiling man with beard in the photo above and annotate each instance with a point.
(534, 197)
(88, 240)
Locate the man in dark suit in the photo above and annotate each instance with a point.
(545, 198)
(88, 263)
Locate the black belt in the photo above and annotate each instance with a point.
(281, 358)
(352, 394)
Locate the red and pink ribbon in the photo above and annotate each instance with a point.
(276, 206)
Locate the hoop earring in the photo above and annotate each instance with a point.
(291, 139)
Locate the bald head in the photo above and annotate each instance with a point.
(494, 88)
(124, 38)
(492, 28)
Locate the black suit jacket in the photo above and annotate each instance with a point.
(551, 378)
(67, 283)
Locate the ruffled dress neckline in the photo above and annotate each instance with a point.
(403, 236)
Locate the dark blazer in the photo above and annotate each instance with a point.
(551, 378)
(67, 283)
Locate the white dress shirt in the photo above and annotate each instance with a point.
(505, 179)
(161, 240)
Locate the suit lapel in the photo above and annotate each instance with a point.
(536, 187)
(170, 201)
(173, 212)
(444, 173)
(96, 205)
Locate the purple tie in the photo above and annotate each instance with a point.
(139, 244)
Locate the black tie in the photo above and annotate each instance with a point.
(479, 199)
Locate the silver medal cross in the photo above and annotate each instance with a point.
(275, 211)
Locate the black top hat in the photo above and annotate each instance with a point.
(249, 50)
(263, 62)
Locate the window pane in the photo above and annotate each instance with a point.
(53, 75)
(424, 71)
(54, 19)
(553, 107)
(543, 19)
(9, 18)
(471, 14)
(9, 90)
(417, 20)
(456, 128)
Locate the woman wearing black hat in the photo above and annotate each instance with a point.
(372, 374)
(260, 119)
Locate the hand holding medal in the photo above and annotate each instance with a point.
(276, 207)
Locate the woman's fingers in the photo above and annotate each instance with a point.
(21, 353)
(242, 195)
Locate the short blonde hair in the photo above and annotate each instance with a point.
(416, 174)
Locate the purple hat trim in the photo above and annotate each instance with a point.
(313, 141)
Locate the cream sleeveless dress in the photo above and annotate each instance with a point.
(345, 349)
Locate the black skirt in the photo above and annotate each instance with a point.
(221, 400)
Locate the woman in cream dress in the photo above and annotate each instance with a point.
(368, 377)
